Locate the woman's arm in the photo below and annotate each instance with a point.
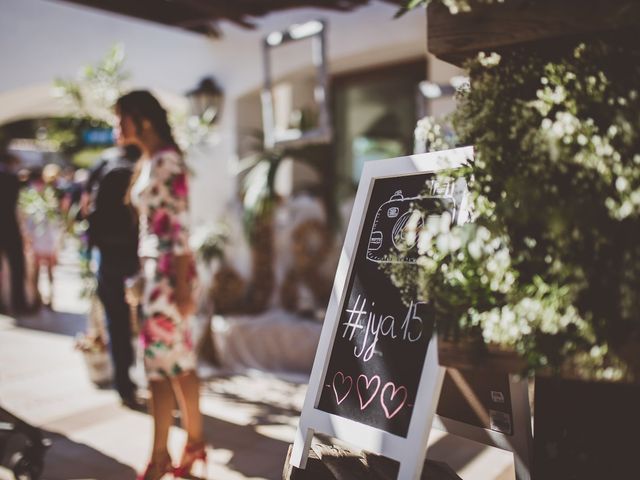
(183, 265)
(170, 222)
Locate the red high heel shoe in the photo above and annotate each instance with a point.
(157, 469)
(192, 452)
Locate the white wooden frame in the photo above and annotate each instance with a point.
(409, 451)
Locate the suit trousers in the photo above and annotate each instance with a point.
(12, 247)
(118, 319)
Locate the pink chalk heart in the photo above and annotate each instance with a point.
(341, 386)
(365, 390)
(397, 399)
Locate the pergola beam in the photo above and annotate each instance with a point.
(203, 16)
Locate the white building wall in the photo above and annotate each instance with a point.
(42, 39)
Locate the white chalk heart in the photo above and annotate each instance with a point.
(363, 386)
(397, 399)
(344, 386)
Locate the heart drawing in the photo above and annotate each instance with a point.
(364, 387)
(397, 399)
(341, 386)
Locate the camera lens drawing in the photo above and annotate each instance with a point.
(398, 221)
(400, 231)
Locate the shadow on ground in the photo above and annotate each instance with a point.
(77, 460)
(62, 323)
(253, 453)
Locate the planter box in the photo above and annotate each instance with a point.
(543, 23)
(586, 430)
(464, 355)
(477, 387)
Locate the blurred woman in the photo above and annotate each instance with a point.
(159, 192)
(43, 223)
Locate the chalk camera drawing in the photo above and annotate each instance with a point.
(389, 241)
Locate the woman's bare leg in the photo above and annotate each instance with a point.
(50, 274)
(36, 280)
(161, 407)
(187, 388)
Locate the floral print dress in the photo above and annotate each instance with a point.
(161, 196)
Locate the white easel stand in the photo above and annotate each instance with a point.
(520, 443)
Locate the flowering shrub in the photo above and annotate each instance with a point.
(454, 6)
(550, 265)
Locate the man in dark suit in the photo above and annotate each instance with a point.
(10, 237)
(113, 228)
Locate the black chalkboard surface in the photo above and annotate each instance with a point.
(381, 343)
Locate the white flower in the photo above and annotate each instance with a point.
(491, 60)
(622, 184)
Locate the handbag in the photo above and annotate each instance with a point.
(134, 289)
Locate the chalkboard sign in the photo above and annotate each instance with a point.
(380, 347)
(376, 381)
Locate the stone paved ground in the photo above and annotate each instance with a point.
(249, 419)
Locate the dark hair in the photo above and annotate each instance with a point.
(140, 105)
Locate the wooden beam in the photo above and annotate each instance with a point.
(203, 15)
(201, 25)
(497, 26)
(167, 13)
(209, 13)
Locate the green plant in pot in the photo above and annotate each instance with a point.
(550, 265)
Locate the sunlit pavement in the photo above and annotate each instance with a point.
(249, 419)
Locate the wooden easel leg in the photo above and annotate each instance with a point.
(301, 446)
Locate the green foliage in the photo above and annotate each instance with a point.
(86, 157)
(89, 281)
(259, 196)
(454, 6)
(208, 241)
(65, 133)
(550, 265)
(258, 189)
(90, 96)
(97, 87)
(40, 206)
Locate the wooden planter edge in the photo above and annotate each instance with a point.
(463, 356)
(499, 26)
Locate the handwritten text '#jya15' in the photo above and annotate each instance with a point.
(367, 327)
